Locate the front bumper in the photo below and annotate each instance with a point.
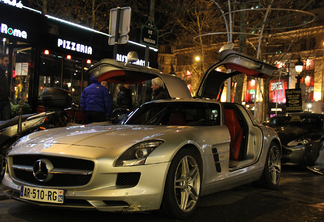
(302, 155)
(103, 195)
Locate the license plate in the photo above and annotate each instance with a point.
(43, 195)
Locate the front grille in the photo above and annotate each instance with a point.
(58, 162)
(66, 179)
(128, 179)
(77, 203)
(113, 203)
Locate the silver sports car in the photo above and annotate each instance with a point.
(163, 157)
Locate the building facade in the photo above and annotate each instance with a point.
(305, 44)
(46, 51)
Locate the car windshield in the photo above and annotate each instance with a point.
(176, 113)
(305, 121)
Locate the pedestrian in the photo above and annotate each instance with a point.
(5, 108)
(124, 97)
(158, 88)
(104, 83)
(319, 163)
(95, 102)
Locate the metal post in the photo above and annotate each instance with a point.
(19, 129)
(147, 53)
(147, 49)
(62, 70)
(279, 83)
(298, 77)
(117, 32)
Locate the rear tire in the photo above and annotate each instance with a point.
(182, 186)
(272, 170)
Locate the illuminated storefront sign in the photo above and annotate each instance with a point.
(277, 90)
(123, 58)
(12, 31)
(294, 100)
(13, 3)
(73, 46)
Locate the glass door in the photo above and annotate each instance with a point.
(21, 60)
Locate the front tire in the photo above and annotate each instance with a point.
(272, 170)
(182, 186)
(3, 154)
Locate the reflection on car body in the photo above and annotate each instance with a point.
(301, 135)
(165, 155)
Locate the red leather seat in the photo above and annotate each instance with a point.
(235, 132)
(177, 119)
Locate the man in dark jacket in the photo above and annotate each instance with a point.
(95, 102)
(158, 89)
(5, 108)
(124, 97)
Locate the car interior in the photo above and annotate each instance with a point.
(237, 127)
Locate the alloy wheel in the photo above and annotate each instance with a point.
(187, 183)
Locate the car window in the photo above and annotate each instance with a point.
(279, 121)
(297, 120)
(176, 113)
(311, 122)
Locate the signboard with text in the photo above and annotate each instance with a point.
(122, 16)
(294, 100)
(149, 34)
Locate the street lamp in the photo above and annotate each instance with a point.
(299, 68)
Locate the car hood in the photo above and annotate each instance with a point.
(107, 138)
(289, 133)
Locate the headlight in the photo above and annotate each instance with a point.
(137, 154)
(298, 142)
(18, 142)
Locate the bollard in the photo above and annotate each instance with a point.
(19, 129)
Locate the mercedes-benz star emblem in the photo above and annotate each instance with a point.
(42, 169)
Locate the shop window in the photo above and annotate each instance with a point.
(20, 75)
(71, 76)
(277, 90)
(250, 90)
(308, 80)
(50, 72)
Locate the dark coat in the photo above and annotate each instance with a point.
(124, 98)
(4, 86)
(96, 98)
(160, 93)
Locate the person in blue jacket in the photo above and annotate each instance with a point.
(95, 102)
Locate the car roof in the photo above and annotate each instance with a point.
(299, 114)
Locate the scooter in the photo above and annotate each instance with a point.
(21, 125)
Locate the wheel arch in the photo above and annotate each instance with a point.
(197, 150)
(165, 209)
(277, 141)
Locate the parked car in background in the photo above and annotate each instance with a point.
(301, 135)
(165, 155)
